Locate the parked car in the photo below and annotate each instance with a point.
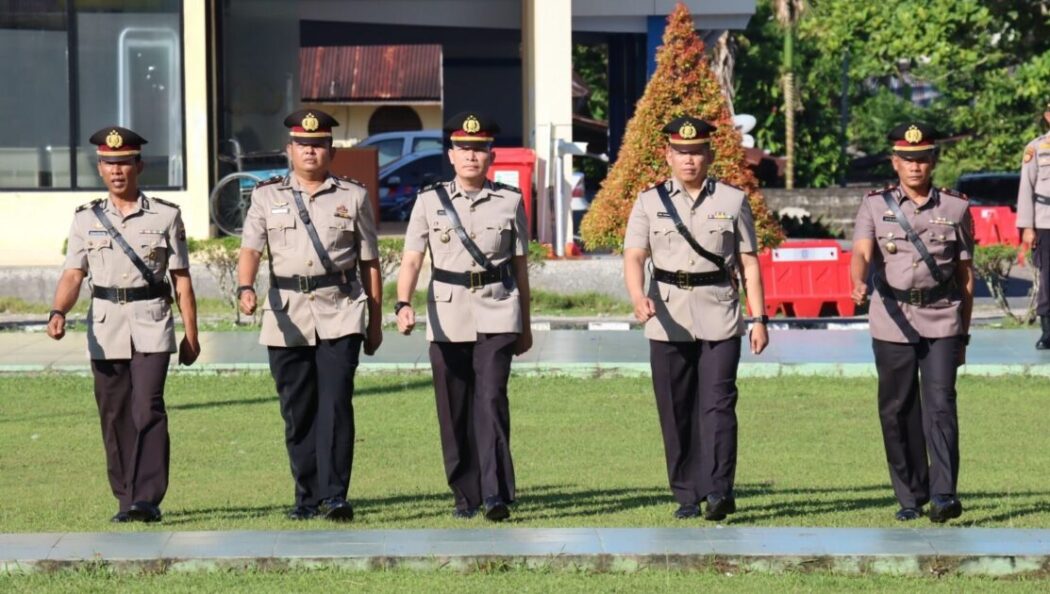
(401, 179)
(394, 145)
(990, 189)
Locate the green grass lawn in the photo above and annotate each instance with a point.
(587, 451)
(334, 580)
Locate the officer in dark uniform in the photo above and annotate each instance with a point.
(917, 242)
(127, 243)
(324, 282)
(1033, 218)
(699, 232)
(477, 313)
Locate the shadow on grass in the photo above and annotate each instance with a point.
(359, 393)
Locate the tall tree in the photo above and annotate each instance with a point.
(683, 84)
(788, 13)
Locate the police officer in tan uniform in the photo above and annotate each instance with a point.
(127, 243)
(477, 313)
(1033, 218)
(324, 281)
(692, 313)
(917, 242)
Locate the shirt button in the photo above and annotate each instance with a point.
(124, 225)
(125, 275)
(309, 262)
(311, 297)
(692, 262)
(915, 264)
(472, 236)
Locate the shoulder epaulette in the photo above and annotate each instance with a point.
(653, 187)
(508, 187)
(429, 186)
(89, 204)
(954, 193)
(165, 202)
(271, 181)
(349, 179)
(889, 188)
(727, 184)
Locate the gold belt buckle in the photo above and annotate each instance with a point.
(476, 281)
(122, 295)
(915, 296)
(304, 284)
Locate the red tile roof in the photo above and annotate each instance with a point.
(370, 73)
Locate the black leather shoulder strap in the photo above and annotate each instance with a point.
(457, 226)
(304, 216)
(123, 243)
(913, 237)
(665, 198)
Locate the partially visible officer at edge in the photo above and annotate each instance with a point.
(477, 313)
(1033, 218)
(699, 232)
(324, 280)
(126, 243)
(918, 243)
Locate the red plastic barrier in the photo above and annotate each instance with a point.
(802, 278)
(995, 224)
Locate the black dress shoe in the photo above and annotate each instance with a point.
(1044, 339)
(144, 511)
(464, 514)
(907, 514)
(687, 511)
(719, 506)
(302, 512)
(121, 518)
(337, 510)
(944, 508)
(496, 510)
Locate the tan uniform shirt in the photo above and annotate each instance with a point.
(722, 224)
(946, 228)
(1035, 179)
(342, 215)
(156, 233)
(495, 220)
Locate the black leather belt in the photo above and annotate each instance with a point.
(129, 294)
(684, 280)
(919, 297)
(307, 284)
(1042, 199)
(473, 280)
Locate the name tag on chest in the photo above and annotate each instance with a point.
(279, 210)
(663, 215)
(97, 233)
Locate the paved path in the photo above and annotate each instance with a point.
(792, 351)
(922, 551)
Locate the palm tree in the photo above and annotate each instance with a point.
(788, 13)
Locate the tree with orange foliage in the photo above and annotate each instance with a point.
(683, 84)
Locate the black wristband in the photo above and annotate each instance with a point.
(244, 288)
(966, 340)
(399, 305)
(55, 312)
(762, 319)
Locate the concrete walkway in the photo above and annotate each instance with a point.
(930, 551)
(810, 352)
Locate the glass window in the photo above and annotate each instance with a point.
(124, 67)
(422, 144)
(389, 150)
(34, 101)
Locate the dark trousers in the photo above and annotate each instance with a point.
(315, 385)
(918, 413)
(470, 387)
(695, 386)
(130, 397)
(1041, 259)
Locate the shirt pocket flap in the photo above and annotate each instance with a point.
(342, 225)
(99, 243)
(440, 292)
(281, 221)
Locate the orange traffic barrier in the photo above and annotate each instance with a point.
(807, 279)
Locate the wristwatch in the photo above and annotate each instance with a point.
(55, 312)
(399, 305)
(244, 288)
(966, 339)
(762, 319)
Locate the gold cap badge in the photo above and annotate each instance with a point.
(687, 131)
(913, 135)
(114, 139)
(310, 122)
(471, 125)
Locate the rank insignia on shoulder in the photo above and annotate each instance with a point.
(349, 180)
(503, 186)
(342, 213)
(721, 216)
(663, 215)
(90, 205)
(271, 181)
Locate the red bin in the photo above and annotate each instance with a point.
(516, 167)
